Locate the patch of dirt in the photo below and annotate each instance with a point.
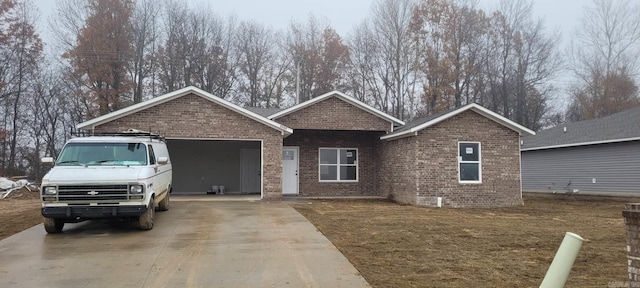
(396, 245)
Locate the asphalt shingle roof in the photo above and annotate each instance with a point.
(420, 120)
(615, 127)
(264, 112)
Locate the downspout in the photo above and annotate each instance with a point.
(520, 163)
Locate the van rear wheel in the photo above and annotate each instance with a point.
(145, 222)
(53, 225)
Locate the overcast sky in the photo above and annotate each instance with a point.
(343, 14)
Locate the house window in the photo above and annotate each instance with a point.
(469, 162)
(338, 165)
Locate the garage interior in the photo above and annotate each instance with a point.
(215, 167)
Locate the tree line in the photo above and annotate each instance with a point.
(408, 58)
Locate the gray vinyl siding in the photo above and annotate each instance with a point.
(616, 168)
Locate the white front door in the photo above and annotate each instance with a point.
(290, 170)
(250, 173)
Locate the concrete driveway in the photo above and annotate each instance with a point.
(194, 244)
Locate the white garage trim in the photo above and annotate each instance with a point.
(262, 173)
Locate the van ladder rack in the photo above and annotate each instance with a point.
(129, 133)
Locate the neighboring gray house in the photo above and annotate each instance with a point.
(599, 156)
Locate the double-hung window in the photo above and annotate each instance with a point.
(469, 162)
(338, 165)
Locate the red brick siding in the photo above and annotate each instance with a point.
(334, 114)
(192, 116)
(436, 151)
(310, 141)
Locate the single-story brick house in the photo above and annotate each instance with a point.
(331, 145)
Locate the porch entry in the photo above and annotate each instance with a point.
(290, 166)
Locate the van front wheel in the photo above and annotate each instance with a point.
(53, 225)
(164, 204)
(146, 220)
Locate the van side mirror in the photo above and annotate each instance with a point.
(163, 160)
(47, 160)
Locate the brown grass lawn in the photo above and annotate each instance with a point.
(404, 246)
(17, 215)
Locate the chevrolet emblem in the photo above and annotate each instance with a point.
(92, 193)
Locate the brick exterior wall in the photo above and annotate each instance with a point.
(309, 141)
(334, 114)
(436, 165)
(397, 175)
(191, 116)
(631, 215)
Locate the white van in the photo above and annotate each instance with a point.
(114, 175)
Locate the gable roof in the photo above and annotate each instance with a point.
(412, 128)
(177, 94)
(265, 112)
(341, 96)
(618, 127)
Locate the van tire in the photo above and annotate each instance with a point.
(53, 225)
(164, 204)
(145, 222)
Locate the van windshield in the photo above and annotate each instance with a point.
(108, 154)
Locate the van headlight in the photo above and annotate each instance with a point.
(51, 190)
(136, 189)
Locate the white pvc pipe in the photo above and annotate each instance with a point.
(558, 272)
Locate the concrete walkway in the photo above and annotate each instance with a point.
(194, 244)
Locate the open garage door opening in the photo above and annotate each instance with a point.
(215, 167)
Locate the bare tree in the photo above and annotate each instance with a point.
(262, 64)
(320, 57)
(366, 62)
(145, 35)
(451, 35)
(304, 43)
(390, 21)
(605, 53)
(67, 22)
(197, 50)
(20, 52)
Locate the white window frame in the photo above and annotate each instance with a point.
(479, 162)
(338, 165)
